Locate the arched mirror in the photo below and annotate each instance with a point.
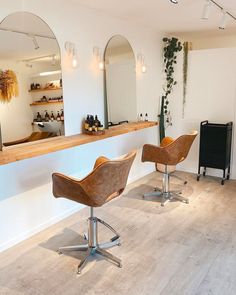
(31, 98)
(120, 81)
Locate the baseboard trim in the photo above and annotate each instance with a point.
(23, 236)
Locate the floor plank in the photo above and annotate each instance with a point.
(176, 250)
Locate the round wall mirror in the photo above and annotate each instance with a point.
(31, 98)
(120, 82)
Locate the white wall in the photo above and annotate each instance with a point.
(210, 39)
(211, 95)
(26, 202)
(16, 116)
(121, 91)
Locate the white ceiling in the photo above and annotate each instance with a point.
(17, 46)
(164, 16)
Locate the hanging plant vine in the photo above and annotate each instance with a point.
(185, 73)
(171, 47)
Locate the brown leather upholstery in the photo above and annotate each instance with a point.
(100, 161)
(171, 154)
(105, 182)
(33, 137)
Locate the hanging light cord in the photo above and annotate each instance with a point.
(222, 8)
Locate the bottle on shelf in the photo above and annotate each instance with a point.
(146, 117)
(52, 117)
(141, 117)
(39, 117)
(47, 117)
(58, 117)
(62, 115)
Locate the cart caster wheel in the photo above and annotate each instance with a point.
(222, 182)
(198, 177)
(204, 173)
(228, 176)
(185, 182)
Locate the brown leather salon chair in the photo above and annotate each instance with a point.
(106, 182)
(166, 158)
(33, 137)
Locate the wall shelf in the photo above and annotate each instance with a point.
(42, 103)
(45, 89)
(46, 146)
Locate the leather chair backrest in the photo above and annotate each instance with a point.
(107, 181)
(171, 154)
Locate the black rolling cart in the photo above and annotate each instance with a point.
(215, 147)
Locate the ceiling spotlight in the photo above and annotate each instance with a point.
(206, 9)
(28, 65)
(174, 1)
(223, 21)
(36, 46)
(53, 59)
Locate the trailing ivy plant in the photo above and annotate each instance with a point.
(171, 47)
(186, 46)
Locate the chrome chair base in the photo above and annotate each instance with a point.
(165, 193)
(167, 197)
(92, 247)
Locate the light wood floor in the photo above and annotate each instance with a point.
(176, 250)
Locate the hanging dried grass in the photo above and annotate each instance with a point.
(8, 86)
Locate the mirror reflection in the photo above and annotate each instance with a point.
(31, 98)
(120, 78)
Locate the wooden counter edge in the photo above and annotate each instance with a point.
(46, 146)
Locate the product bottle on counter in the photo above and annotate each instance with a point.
(96, 121)
(58, 117)
(141, 117)
(100, 127)
(146, 117)
(62, 115)
(47, 118)
(90, 128)
(86, 123)
(92, 119)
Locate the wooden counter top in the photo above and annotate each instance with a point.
(46, 146)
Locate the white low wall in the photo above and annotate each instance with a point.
(26, 202)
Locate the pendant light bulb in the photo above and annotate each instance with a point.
(74, 59)
(144, 69)
(101, 65)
